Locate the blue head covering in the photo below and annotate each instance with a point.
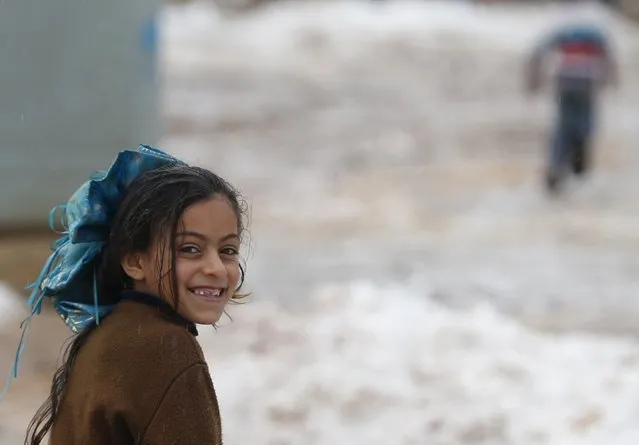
(68, 277)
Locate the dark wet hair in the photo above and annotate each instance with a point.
(150, 210)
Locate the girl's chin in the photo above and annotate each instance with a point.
(206, 319)
(202, 312)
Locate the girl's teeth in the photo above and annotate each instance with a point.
(207, 293)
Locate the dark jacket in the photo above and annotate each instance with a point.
(140, 378)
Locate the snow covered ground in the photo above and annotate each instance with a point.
(391, 140)
(367, 365)
(392, 163)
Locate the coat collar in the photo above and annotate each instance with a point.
(162, 306)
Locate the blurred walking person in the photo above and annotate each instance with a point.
(584, 63)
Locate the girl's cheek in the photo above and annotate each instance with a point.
(235, 273)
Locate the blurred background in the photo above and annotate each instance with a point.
(412, 280)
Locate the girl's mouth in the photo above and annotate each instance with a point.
(208, 293)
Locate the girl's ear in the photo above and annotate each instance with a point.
(133, 265)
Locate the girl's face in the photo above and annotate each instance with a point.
(207, 266)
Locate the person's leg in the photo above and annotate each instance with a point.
(555, 165)
(580, 155)
(559, 144)
(580, 158)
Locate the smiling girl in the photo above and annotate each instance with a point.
(151, 249)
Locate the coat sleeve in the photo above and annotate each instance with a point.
(188, 414)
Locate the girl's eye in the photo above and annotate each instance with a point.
(230, 251)
(190, 249)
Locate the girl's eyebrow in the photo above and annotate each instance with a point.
(191, 233)
(205, 238)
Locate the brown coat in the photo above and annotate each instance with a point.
(140, 378)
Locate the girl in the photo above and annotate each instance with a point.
(151, 249)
